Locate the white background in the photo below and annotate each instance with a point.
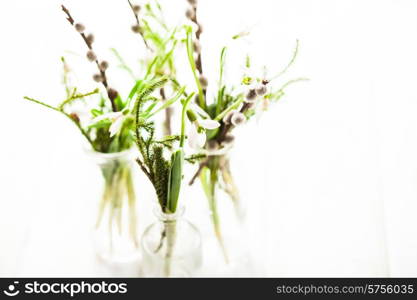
(329, 173)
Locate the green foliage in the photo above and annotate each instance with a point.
(174, 180)
(165, 175)
(161, 172)
(190, 54)
(193, 159)
(122, 64)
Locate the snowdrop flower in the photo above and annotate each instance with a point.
(208, 124)
(196, 140)
(117, 119)
(197, 134)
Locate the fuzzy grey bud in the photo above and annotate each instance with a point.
(136, 8)
(104, 65)
(260, 91)
(212, 145)
(91, 55)
(79, 27)
(75, 117)
(228, 139)
(203, 82)
(200, 28)
(192, 2)
(190, 14)
(238, 119)
(250, 105)
(197, 46)
(228, 117)
(90, 38)
(251, 96)
(98, 77)
(112, 93)
(136, 29)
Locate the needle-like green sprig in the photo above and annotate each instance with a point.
(60, 109)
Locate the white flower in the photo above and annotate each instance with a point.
(208, 124)
(117, 119)
(196, 140)
(197, 135)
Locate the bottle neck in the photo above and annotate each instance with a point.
(169, 217)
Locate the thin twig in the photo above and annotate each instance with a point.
(83, 132)
(139, 26)
(226, 128)
(198, 60)
(198, 33)
(142, 166)
(200, 168)
(110, 92)
(168, 114)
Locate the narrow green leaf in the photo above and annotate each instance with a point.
(175, 179)
(167, 103)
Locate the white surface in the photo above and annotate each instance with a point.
(329, 174)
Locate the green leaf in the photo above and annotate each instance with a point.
(167, 103)
(134, 90)
(190, 53)
(175, 179)
(122, 63)
(291, 62)
(74, 97)
(101, 124)
(95, 112)
(233, 106)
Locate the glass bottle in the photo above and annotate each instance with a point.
(171, 247)
(115, 234)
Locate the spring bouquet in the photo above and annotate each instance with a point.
(123, 131)
(231, 106)
(106, 120)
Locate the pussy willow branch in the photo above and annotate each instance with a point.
(168, 114)
(200, 169)
(229, 126)
(110, 92)
(168, 111)
(194, 19)
(139, 26)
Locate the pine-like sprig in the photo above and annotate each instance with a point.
(161, 169)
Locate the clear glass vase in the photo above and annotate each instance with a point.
(171, 247)
(228, 241)
(115, 234)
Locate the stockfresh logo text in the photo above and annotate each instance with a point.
(72, 289)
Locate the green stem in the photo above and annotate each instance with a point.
(83, 132)
(171, 233)
(230, 108)
(190, 52)
(183, 116)
(132, 208)
(209, 180)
